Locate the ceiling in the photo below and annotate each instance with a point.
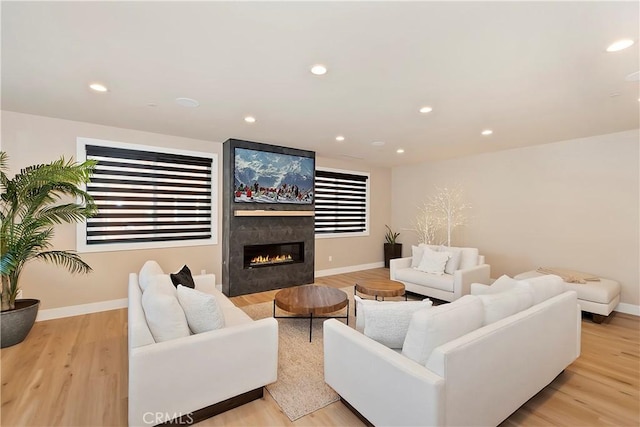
(534, 72)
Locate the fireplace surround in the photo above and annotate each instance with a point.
(262, 226)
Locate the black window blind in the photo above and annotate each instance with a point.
(146, 196)
(340, 202)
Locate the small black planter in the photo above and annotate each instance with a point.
(391, 250)
(17, 323)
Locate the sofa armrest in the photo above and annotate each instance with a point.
(205, 282)
(396, 264)
(462, 279)
(365, 373)
(200, 370)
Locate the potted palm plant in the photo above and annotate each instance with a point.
(392, 249)
(31, 204)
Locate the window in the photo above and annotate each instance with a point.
(341, 203)
(148, 197)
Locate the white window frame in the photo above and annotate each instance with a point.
(367, 206)
(81, 228)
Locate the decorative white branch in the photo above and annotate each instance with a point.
(442, 212)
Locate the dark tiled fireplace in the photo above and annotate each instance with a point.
(267, 230)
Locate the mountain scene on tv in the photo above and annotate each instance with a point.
(265, 177)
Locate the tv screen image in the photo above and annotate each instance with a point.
(267, 177)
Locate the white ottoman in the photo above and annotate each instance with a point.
(599, 298)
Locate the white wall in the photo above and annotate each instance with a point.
(571, 204)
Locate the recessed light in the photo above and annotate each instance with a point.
(620, 45)
(400, 150)
(487, 132)
(614, 94)
(426, 109)
(318, 69)
(377, 143)
(98, 87)
(250, 119)
(187, 102)
(339, 138)
(152, 104)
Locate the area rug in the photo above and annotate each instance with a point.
(300, 388)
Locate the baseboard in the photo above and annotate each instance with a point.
(77, 310)
(628, 309)
(350, 269)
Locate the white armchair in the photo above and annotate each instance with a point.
(197, 376)
(446, 287)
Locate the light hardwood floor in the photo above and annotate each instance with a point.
(73, 372)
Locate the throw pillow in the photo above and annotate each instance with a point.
(183, 277)
(504, 283)
(503, 304)
(416, 256)
(433, 262)
(163, 312)
(431, 328)
(147, 272)
(545, 287)
(387, 321)
(201, 310)
(454, 261)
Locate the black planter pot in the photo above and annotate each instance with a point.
(17, 323)
(391, 251)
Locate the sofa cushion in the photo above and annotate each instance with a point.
(545, 287)
(430, 328)
(163, 312)
(498, 305)
(505, 283)
(201, 310)
(469, 258)
(147, 273)
(416, 255)
(234, 316)
(443, 282)
(387, 321)
(433, 262)
(183, 277)
(454, 260)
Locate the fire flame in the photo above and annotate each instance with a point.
(271, 259)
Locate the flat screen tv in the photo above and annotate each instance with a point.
(268, 177)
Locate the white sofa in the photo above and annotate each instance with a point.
(446, 287)
(197, 376)
(479, 378)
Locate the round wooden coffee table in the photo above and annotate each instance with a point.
(380, 288)
(309, 301)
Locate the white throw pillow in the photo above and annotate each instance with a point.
(201, 310)
(431, 328)
(433, 262)
(545, 287)
(163, 312)
(503, 283)
(387, 321)
(453, 263)
(416, 255)
(147, 273)
(503, 304)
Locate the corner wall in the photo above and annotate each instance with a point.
(572, 204)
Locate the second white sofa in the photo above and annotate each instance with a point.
(448, 286)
